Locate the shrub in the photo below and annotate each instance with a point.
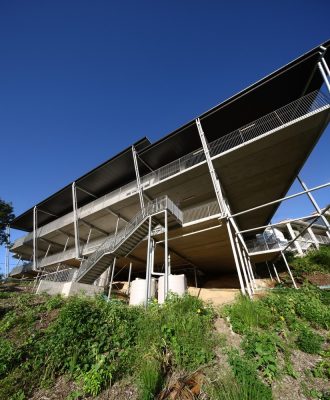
(308, 341)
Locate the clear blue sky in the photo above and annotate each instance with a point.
(81, 80)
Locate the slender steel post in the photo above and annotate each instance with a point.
(325, 65)
(129, 278)
(35, 243)
(7, 251)
(243, 267)
(166, 255)
(75, 220)
(235, 257)
(148, 266)
(270, 274)
(138, 180)
(112, 275)
(213, 174)
(315, 205)
(289, 270)
(195, 275)
(249, 269)
(277, 277)
(66, 244)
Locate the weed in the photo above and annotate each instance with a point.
(250, 385)
(150, 379)
(246, 314)
(308, 341)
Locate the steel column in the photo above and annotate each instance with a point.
(7, 245)
(166, 254)
(235, 257)
(277, 277)
(35, 243)
(112, 275)
(239, 251)
(129, 278)
(289, 270)
(269, 271)
(148, 266)
(75, 220)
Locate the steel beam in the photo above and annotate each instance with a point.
(213, 174)
(315, 205)
(280, 200)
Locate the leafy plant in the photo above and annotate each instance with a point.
(263, 348)
(308, 341)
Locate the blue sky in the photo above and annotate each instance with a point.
(81, 80)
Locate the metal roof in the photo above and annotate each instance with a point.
(288, 83)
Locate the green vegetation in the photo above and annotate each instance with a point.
(314, 261)
(97, 343)
(93, 344)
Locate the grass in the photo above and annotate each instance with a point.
(96, 343)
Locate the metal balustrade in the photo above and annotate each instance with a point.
(114, 241)
(65, 275)
(268, 244)
(200, 212)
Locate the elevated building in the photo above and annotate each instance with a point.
(195, 199)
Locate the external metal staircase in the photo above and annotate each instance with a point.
(124, 242)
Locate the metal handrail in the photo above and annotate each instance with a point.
(114, 241)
